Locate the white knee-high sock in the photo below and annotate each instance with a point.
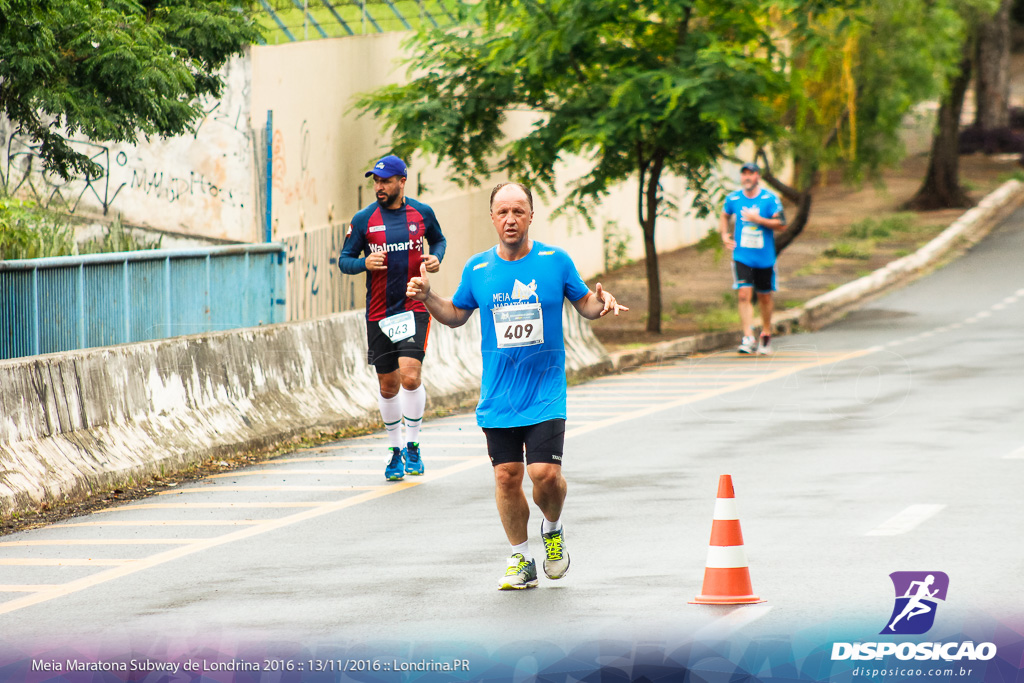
(413, 403)
(391, 413)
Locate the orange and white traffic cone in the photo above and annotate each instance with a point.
(726, 576)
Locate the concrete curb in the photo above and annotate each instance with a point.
(965, 232)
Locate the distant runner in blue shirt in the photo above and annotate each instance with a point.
(519, 287)
(758, 214)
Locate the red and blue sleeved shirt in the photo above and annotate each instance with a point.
(399, 233)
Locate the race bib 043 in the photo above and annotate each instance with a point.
(399, 327)
(518, 325)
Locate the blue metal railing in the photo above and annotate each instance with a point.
(75, 302)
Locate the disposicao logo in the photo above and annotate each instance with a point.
(918, 595)
(917, 598)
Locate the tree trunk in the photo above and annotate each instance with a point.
(653, 282)
(992, 80)
(941, 188)
(650, 179)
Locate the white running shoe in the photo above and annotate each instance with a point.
(748, 345)
(556, 557)
(519, 575)
(764, 347)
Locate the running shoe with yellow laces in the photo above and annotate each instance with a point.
(519, 575)
(556, 557)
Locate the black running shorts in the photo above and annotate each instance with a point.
(383, 354)
(761, 279)
(543, 443)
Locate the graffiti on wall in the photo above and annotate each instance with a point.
(316, 286)
(23, 174)
(200, 183)
(294, 189)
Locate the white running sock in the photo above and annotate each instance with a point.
(523, 549)
(547, 527)
(413, 403)
(391, 413)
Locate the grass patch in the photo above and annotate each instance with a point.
(717, 319)
(817, 266)
(1015, 175)
(858, 250)
(28, 231)
(682, 308)
(880, 228)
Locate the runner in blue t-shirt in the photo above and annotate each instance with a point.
(519, 286)
(758, 214)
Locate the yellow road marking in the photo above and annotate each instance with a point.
(69, 562)
(284, 460)
(383, 442)
(164, 522)
(652, 387)
(101, 541)
(281, 471)
(183, 551)
(283, 487)
(179, 506)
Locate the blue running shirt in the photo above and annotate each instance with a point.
(755, 246)
(524, 377)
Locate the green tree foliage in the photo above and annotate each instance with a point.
(112, 69)
(638, 88)
(855, 74)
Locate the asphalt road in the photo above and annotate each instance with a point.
(892, 441)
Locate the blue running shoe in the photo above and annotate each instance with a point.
(413, 461)
(395, 471)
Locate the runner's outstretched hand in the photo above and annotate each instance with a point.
(419, 287)
(609, 302)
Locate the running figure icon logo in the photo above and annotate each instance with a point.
(523, 292)
(917, 596)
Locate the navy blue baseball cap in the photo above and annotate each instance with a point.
(387, 167)
(750, 166)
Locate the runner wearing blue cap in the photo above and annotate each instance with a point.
(758, 214)
(386, 241)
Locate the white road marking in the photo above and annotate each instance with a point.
(906, 520)
(1015, 455)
